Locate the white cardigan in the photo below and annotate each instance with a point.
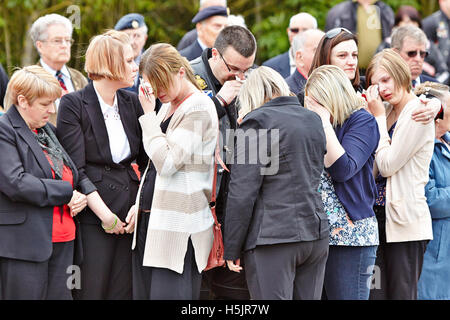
(184, 161)
(405, 162)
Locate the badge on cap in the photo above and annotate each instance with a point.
(135, 24)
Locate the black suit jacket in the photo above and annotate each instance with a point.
(280, 63)
(192, 52)
(81, 129)
(273, 196)
(28, 193)
(296, 82)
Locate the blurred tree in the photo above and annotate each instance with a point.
(167, 20)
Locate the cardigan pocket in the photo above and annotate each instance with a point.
(405, 211)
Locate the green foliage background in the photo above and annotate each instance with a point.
(167, 20)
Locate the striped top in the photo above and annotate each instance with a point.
(184, 161)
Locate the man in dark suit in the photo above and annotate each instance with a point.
(191, 35)
(285, 63)
(220, 72)
(3, 84)
(52, 37)
(209, 22)
(305, 45)
(411, 44)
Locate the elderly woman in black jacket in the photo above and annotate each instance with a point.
(274, 217)
(38, 199)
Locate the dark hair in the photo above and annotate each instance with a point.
(323, 52)
(239, 38)
(409, 11)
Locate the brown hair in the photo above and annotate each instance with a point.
(160, 62)
(394, 65)
(105, 56)
(409, 11)
(323, 52)
(32, 82)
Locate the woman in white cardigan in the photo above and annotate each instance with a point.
(401, 170)
(174, 236)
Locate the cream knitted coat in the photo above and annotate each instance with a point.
(184, 161)
(405, 162)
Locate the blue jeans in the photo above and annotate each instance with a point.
(348, 273)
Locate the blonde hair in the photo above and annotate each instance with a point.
(105, 56)
(263, 85)
(394, 65)
(330, 87)
(32, 82)
(160, 62)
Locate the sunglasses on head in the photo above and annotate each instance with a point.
(413, 54)
(334, 32)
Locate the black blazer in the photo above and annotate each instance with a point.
(281, 204)
(82, 131)
(280, 63)
(192, 51)
(28, 193)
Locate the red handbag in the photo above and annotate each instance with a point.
(215, 258)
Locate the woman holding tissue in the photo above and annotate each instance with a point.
(174, 223)
(99, 128)
(401, 166)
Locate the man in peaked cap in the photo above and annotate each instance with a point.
(134, 25)
(209, 22)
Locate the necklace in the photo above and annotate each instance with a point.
(175, 107)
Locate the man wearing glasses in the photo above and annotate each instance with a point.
(220, 72)
(285, 63)
(52, 37)
(411, 43)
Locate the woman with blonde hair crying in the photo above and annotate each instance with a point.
(347, 186)
(274, 216)
(402, 161)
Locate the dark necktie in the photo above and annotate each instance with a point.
(61, 80)
(414, 83)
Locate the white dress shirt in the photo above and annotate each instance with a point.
(65, 76)
(118, 140)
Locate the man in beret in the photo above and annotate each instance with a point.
(191, 36)
(209, 22)
(134, 25)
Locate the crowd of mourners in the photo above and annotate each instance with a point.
(328, 166)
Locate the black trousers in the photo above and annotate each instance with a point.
(151, 283)
(287, 271)
(397, 267)
(106, 266)
(48, 280)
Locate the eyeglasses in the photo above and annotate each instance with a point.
(334, 32)
(413, 54)
(60, 42)
(234, 69)
(294, 30)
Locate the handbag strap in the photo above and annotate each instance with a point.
(217, 159)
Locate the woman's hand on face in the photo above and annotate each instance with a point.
(77, 203)
(374, 103)
(313, 105)
(147, 99)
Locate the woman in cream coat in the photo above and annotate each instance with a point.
(402, 160)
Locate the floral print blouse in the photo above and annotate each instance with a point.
(343, 231)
